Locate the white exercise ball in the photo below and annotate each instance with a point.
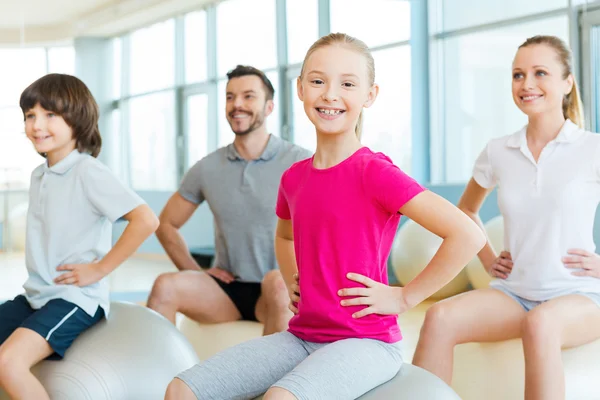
(414, 246)
(134, 354)
(17, 224)
(477, 275)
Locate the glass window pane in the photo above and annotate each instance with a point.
(457, 14)
(226, 135)
(61, 60)
(114, 153)
(117, 67)
(151, 146)
(197, 128)
(375, 22)
(195, 47)
(152, 64)
(387, 123)
(303, 131)
(477, 102)
(302, 27)
(18, 158)
(25, 66)
(245, 40)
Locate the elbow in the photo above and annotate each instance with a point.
(149, 222)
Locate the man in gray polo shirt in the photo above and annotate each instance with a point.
(239, 182)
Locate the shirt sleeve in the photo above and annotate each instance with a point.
(282, 208)
(191, 185)
(483, 172)
(107, 194)
(388, 185)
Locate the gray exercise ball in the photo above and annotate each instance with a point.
(411, 383)
(134, 354)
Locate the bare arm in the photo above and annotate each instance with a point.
(175, 214)
(284, 250)
(462, 239)
(142, 223)
(470, 203)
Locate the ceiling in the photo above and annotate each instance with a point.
(27, 22)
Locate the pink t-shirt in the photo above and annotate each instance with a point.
(344, 220)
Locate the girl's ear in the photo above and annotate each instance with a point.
(372, 95)
(299, 88)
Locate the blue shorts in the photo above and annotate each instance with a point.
(59, 322)
(529, 304)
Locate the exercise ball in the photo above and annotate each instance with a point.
(477, 275)
(17, 223)
(496, 371)
(413, 248)
(132, 355)
(409, 384)
(209, 339)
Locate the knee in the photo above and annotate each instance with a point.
(177, 390)
(163, 290)
(539, 326)
(9, 364)
(274, 289)
(438, 320)
(276, 393)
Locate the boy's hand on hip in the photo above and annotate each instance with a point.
(79, 274)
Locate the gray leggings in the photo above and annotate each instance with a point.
(341, 370)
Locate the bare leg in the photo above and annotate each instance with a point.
(194, 294)
(566, 321)
(485, 315)
(21, 351)
(177, 390)
(272, 306)
(277, 393)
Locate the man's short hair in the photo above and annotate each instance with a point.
(245, 70)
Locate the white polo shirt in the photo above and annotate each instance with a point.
(72, 206)
(548, 208)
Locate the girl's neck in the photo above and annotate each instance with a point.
(543, 128)
(332, 149)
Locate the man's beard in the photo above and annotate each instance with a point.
(256, 123)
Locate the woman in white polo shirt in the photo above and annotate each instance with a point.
(547, 286)
(73, 199)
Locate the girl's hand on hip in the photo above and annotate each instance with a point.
(380, 298)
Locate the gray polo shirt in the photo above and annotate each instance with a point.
(72, 206)
(242, 196)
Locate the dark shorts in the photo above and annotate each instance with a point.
(59, 322)
(244, 295)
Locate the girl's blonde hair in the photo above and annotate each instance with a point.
(572, 107)
(352, 43)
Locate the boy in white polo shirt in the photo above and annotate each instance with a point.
(73, 201)
(547, 286)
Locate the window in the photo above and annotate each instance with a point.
(17, 155)
(375, 22)
(475, 103)
(449, 15)
(61, 60)
(197, 128)
(387, 123)
(226, 135)
(117, 51)
(302, 28)
(195, 47)
(245, 40)
(152, 63)
(151, 147)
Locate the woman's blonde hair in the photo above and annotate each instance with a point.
(352, 43)
(572, 107)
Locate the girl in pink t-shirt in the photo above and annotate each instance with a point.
(338, 214)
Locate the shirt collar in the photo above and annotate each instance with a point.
(568, 133)
(268, 153)
(63, 166)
